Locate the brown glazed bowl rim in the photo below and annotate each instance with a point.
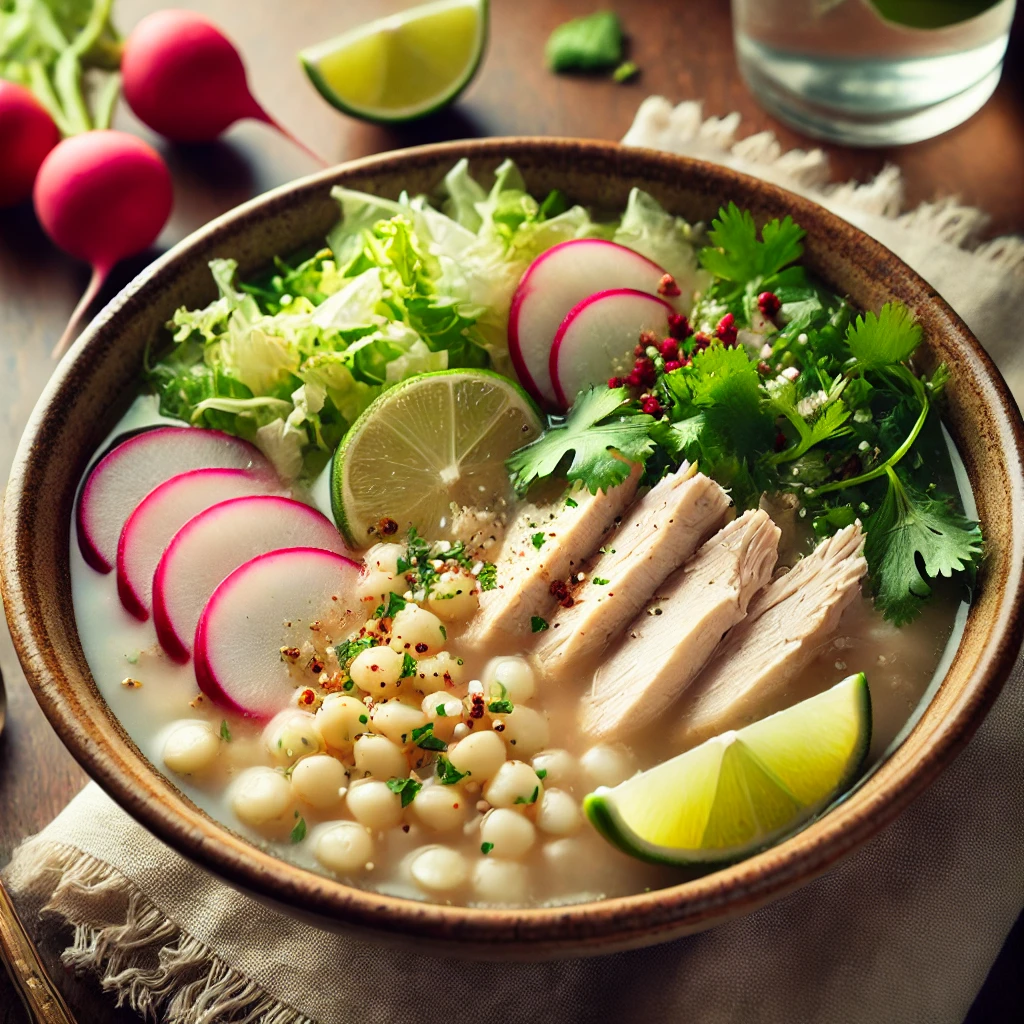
(616, 923)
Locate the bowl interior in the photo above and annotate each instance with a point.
(96, 382)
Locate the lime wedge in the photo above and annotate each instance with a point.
(931, 13)
(404, 66)
(740, 791)
(431, 441)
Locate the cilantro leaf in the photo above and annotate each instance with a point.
(537, 624)
(914, 537)
(388, 611)
(532, 798)
(485, 848)
(487, 577)
(447, 773)
(586, 44)
(827, 423)
(500, 707)
(538, 540)
(596, 427)
(737, 255)
(406, 788)
(298, 832)
(409, 667)
(225, 732)
(885, 339)
(425, 739)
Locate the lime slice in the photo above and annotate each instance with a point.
(433, 440)
(931, 13)
(404, 66)
(740, 791)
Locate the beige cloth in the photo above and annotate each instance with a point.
(903, 930)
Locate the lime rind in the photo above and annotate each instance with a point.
(369, 38)
(417, 450)
(764, 762)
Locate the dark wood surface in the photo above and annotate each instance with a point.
(684, 48)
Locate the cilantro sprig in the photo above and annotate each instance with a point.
(601, 433)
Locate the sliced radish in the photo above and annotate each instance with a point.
(125, 475)
(596, 340)
(262, 606)
(162, 513)
(554, 283)
(213, 544)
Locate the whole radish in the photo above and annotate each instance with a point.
(27, 134)
(185, 79)
(102, 196)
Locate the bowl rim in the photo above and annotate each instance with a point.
(596, 926)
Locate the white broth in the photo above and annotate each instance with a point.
(519, 837)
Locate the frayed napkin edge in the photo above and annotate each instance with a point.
(141, 956)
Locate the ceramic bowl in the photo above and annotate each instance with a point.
(91, 389)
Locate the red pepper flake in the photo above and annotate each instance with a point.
(679, 327)
(291, 653)
(316, 666)
(307, 696)
(387, 527)
(700, 341)
(559, 590)
(405, 828)
(647, 339)
(477, 710)
(422, 648)
(667, 286)
(672, 364)
(726, 330)
(768, 303)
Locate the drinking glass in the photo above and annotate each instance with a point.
(872, 72)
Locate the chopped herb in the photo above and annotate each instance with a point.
(913, 536)
(425, 739)
(225, 732)
(541, 773)
(447, 773)
(738, 256)
(572, 503)
(586, 44)
(599, 581)
(444, 632)
(348, 649)
(408, 666)
(607, 551)
(537, 624)
(440, 711)
(625, 71)
(363, 719)
(500, 707)
(600, 428)
(533, 797)
(298, 832)
(485, 848)
(348, 684)
(538, 540)
(389, 610)
(406, 788)
(487, 577)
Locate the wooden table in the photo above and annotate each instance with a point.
(685, 52)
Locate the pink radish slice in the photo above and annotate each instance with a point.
(124, 476)
(554, 283)
(596, 340)
(162, 513)
(243, 626)
(211, 545)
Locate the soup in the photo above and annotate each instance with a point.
(433, 677)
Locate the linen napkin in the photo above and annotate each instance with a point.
(903, 930)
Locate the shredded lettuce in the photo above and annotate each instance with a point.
(290, 358)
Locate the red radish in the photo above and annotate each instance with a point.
(264, 605)
(553, 284)
(27, 134)
(211, 545)
(102, 196)
(597, 339)
(127, 473)
(186, 80)
(162, 513)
